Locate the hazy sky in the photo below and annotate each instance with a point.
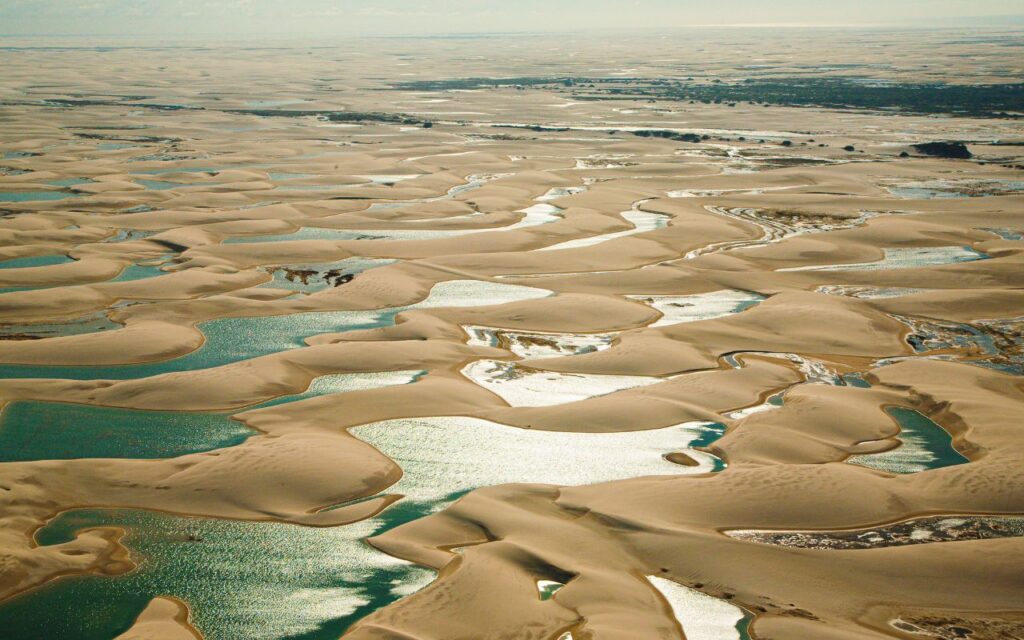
(285, 17)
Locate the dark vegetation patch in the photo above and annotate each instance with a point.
(101, 136)
(956, 150)
(86, 102)
(536, 127)
(333, 116)
(1005, 100)
(669, 135)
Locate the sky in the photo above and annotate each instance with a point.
(246, 18)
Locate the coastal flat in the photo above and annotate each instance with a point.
(553, 338)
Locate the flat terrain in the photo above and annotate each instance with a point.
(685, 335)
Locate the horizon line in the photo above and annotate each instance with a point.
(939, 25)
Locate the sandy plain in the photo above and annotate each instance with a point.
(190, 168)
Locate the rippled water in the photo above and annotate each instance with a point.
(243, 580)
(642, 221)
(452, 455)
(535, 215)
(523, 387)
(227, 340)
(1004, 233)
(138, 271)
(34, 261)
(923, 445)
(31, 196)
(60, 431)
(701, 616)
(164, 185)
(257, 580)
(867, 292)
(904, 259)
(536, 344)
(232, 339)
(699, 306)
(940, 189)
(993, 343)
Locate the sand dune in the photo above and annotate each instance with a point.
(580, 360)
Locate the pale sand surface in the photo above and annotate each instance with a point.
(577, 355)
(162, 619)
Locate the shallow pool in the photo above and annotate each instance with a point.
(901, 258)
(258, 580)
(34, 261)
(923, 445)
(32, 430)
(232, 339)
